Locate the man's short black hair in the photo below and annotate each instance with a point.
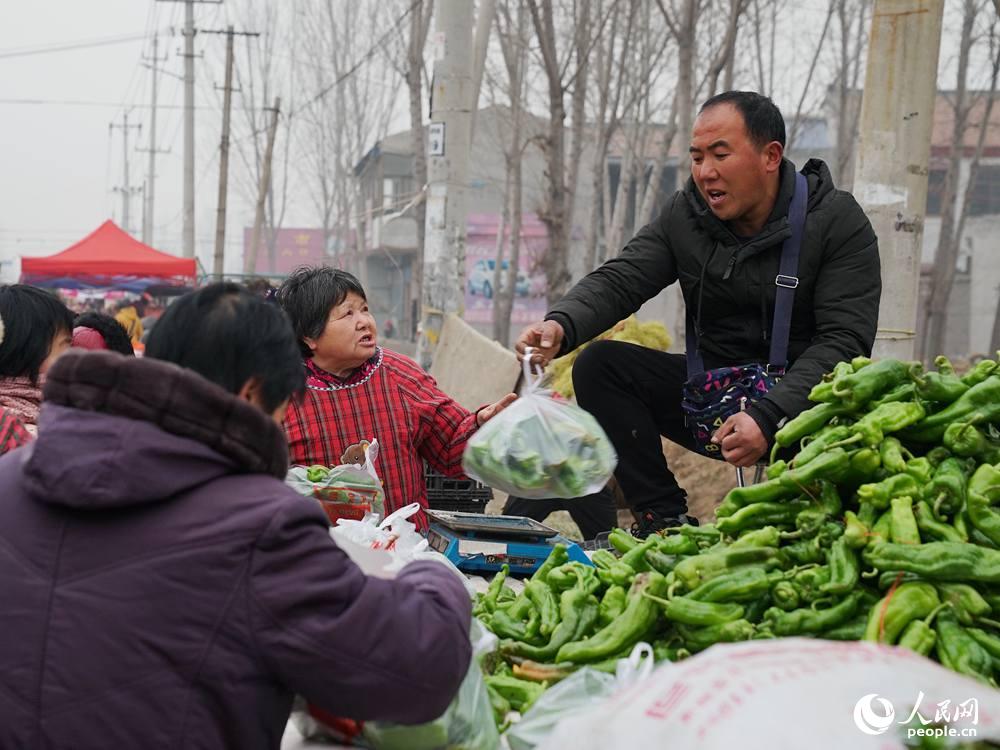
(761, 116)
(229, 335)
(308, 296)
(32, 318)
(113, 332)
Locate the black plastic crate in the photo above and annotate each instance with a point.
(463, 495)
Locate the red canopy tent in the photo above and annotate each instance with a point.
(109, 257)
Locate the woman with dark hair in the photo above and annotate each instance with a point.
(356, 391)
(12, 432)
(96, 331)
(178, 588)
(37, 329)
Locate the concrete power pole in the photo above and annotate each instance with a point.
(895, 136)
(447, 174)
(219, 257)
(125, 189)
(250, 261)
(148, 215)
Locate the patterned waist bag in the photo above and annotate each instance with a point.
(710, 397)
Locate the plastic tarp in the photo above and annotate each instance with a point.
(108, 258)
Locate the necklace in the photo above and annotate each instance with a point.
(373, 367)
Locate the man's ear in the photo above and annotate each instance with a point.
(774, 152)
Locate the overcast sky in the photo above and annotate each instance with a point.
(61, 163)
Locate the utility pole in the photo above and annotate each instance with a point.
(447, 170)
(250, 261)
(188, 199)
(125, 190)
(219, 257)
(148, 216)
(897, 114)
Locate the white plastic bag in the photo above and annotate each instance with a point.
(788, 693)
(541, 447)
(349, 491)
(579, 692)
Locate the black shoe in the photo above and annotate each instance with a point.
(651, 522)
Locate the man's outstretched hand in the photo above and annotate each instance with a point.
(742, 442)
(544, 338)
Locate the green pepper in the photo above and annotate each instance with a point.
(578, 613)
(881, 530)
(920, 469)
(635, 558)
(811, 621)
(639, 616)
(919, 636)
(771, 491)
(931, 528)
(693, 612)
(762, 514)
(612, 605)
(903, 529)
(880, 493)
(983, 492)
(488, 602)
(969, 605)
(622, 541)
(698, 639)
(891, 454)
(810, 582)
(844, 569)
(989, 642)
(521, 694)
(889, 578)
(968, 441)
(776, 468)
(661, 563)
(980, 404)
(558, 556)
(897, 609)
(808, 422)
(740, 585)
(959, 651)
(677, 544)
(937, 454)
(507, 626)
(852, 630)
(943, 386)
(860, 387)
(806, 551)
(786, 596)
(830, 465)
(693, 571)
(810, 520)
(903, 392)
(983, 369)
(947, 490)
(937, 561)
(603, 558)
(757, 608)
(703, 536)
(822, 392)
(890, 417)
(820, 442)
(769, 536)
(855, 532)
(865, 462)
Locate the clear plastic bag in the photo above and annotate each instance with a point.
(467, 723)
(349, 491)
(541, 447)
(582, 690)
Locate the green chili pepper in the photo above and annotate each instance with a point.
(771, 491)
(903, 529)
(660, 562)
(890, 417)
(860, 387)
(903, 392)
(488, 603)
(863, 468)
(931, 528)
(830, 465)
(881, 530)
(880, 493)
(919, 636)
(937, 454)
(983, 369)
(805, 552)
(762, 514)
(500, 705)
(959, 651)
(811, 621)
(810, 582)
(521, 694)
(968, 441)
(855, 532)
(740, 585)
(819, 443)
(545, 602)
(757, 608)
(578, 612)
(776, 468)
(786, 596)
(889, 578)
(558, 556)
(808, 422)
(698, 639)
(859, 362)
(706, 535)
(640, 614)
(891, 454)
(822, 392)
(852, 630)
(677, 544)
(968, 604)
(844, 569)
(693, 612)
(920, 469)
(622, 541)
(937, 561)
(897, 609)
(693, 571)
(983, 492)
(603, 558)
(981, 403)
(635, 558)
(612, 605)
(947, 490)
(960, 522)
(769, 536)
(507, 626)
(989, 642)
(943, 386)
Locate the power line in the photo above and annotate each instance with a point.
(67, 46)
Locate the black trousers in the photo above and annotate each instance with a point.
(593, 513)
(635, 395)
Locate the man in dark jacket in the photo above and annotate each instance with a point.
(163, 588)
(721, 239)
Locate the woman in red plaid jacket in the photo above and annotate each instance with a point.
(356, 391)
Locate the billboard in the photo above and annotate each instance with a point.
(292, 248)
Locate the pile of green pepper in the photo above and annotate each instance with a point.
(879, 520)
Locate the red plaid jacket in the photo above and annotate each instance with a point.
(399, 404)
(12, 432)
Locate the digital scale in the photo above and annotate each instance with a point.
(476, 542)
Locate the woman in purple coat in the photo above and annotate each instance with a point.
(164, 589)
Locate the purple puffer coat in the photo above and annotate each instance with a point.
(163, 589)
